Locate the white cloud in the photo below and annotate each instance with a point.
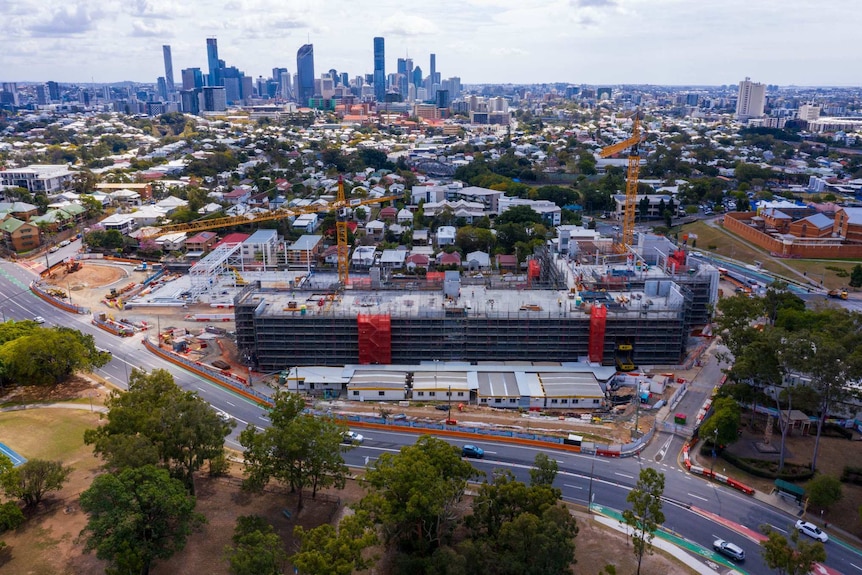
(65, 22)
(149, 28)
(401, 24)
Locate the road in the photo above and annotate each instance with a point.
(611, 479)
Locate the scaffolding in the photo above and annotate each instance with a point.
(216, 271)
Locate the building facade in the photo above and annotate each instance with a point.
(379, 69)
(304, 74)
(751, 100)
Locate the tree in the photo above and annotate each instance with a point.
(725, 420)
(257, 549)
(856, 276)
(32, 480)
(519, 215)
(544, 470)
(11, 516)
(470, 239)
(157, 423)
(646, 514)
(779, 555)
(326, 550)
(824, 490)
(298, 450)
(137, 517)
(48, 356)
(413, 494)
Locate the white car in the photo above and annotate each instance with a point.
(39, 319)
(223, 415)
(729, 549)
(811, 530)
(352, 437)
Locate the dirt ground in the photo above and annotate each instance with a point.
(89, 277)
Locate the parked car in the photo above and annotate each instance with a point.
(352, 437)
(472, 451)
(729, 549)
(442, 407)
(64, 243)
(811, 530)
(53, 249)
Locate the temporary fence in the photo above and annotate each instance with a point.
(58, 303)
(232, 382)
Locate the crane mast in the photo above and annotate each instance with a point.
(634, 160)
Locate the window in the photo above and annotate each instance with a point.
(381, 393)
(432, 393)
(512, 400)
(460, 394)
(355, 393)
(575, 401)
(564, 401)
(420, 393)
(595, 402)
(484, 400)
(553, 402)
(498, 400)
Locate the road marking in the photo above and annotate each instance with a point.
(698, 497)
(777, 528)
(856, 566)
(263, 417)
(572, 486)
(200, 388)
(230, 404)
(491, 452)
(626, 475)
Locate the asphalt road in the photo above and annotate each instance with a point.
(611, 480)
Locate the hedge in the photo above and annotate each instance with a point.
(765, 468)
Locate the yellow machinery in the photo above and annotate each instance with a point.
(341, 226)
(341, 237)
(238, 279)
(631, 181)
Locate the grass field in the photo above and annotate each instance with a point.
(718, 241)
(47, 433)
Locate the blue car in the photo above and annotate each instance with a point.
(472, 451)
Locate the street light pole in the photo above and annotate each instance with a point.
(449, 412)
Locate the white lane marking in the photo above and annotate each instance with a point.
(491, 452)
(856, 566)
(200, 388)
(698, 497)
(263, 418)
(626, 475)
(230, 404)
(777, 528)
(572, 486)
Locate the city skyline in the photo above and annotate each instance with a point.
(670, 42)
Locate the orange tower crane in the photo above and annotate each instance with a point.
(634, 166)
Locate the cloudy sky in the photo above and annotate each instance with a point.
(521, 41)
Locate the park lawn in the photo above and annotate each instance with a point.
(54, 434)
(718, 241)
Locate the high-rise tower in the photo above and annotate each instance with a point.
(304, 74)
(751, 99)
(169, 68)
(379, 70)
(215, 78)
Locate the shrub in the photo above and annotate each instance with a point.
(767, 469)
(11, 516)
(219, 466)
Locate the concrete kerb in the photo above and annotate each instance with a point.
(661, 541)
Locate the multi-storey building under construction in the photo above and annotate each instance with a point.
(559, 310)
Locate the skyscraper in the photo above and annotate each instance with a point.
(379, 70)
(215, 78)
(192, 78)
(751, 99)
(304, 74)
(162, 86)
(434, 78)
(53, 91)
(169, 68)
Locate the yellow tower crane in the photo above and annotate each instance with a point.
(339, 206)
(341, 237)
(631, 181)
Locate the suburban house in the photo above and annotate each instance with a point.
(126, 198)
(414, 261)
(446, 235)
(238, 196)
(122, 223)
(20, 210)
(201, 242)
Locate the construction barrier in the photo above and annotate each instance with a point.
(212, 375)
(60, 304)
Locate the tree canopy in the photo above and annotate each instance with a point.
(33, 479)
(137, 517)
(46, 356)
(778, 554)
(155, 422)
(645, 514)
(298, 450)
